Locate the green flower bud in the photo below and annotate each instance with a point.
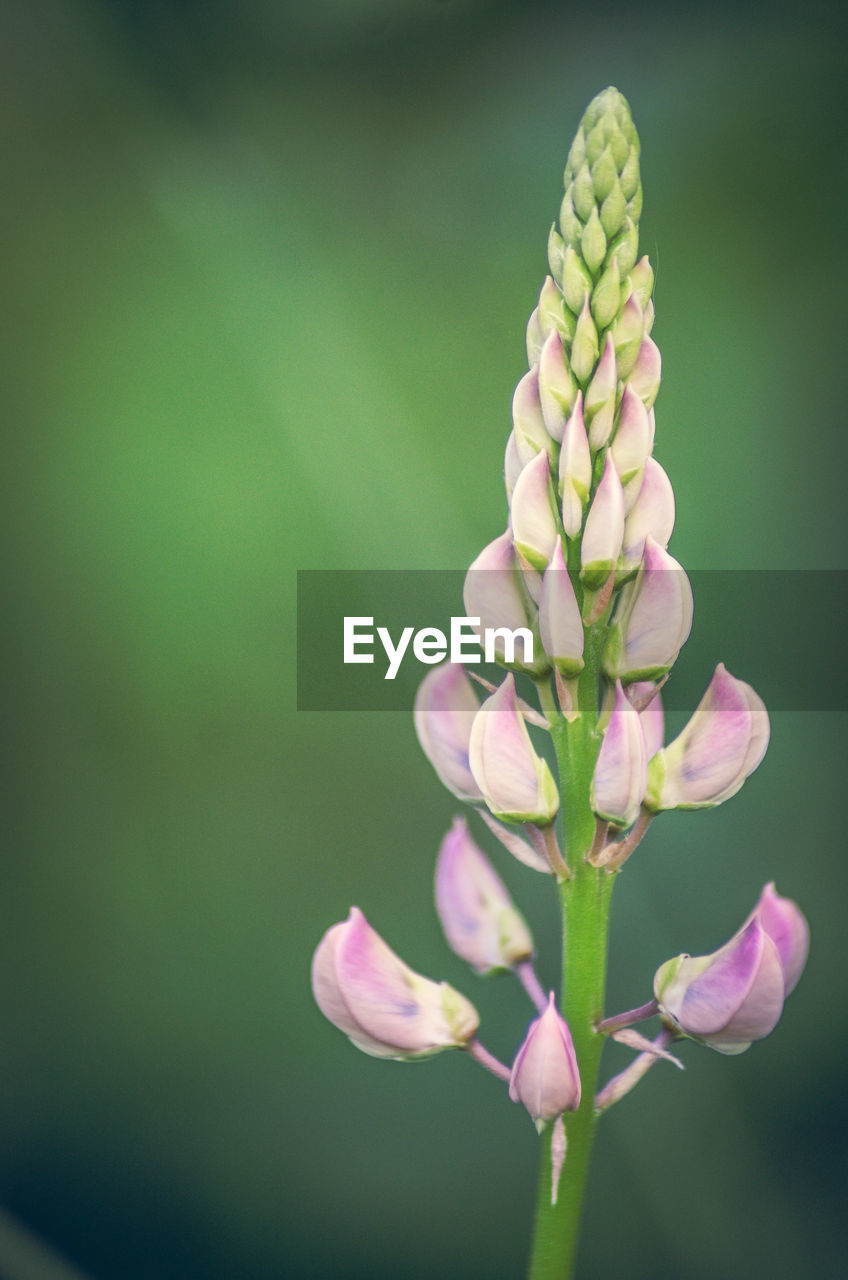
(629, 175)
(584, 345)
(627, 334)
(642, 281)
(613, 210)
(606, 296)
(576, 280)
(555, 253)
(593, 242)
(583, 193)
(569, 223)
(625, 246)
(604, 174)
(553, 314)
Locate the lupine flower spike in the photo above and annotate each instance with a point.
(582, 575)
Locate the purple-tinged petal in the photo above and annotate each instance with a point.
(632, 442)
(492, 591)
(557, 387)
(545, 1077)
(648, 700)
(652, 515)
(785, 924)
(392, 1004)
(445, 707)
(599, 403)
(516, 783)
(560, 623)
(653, 618)
(620, 775)
(529, 425)
(647, 372)
(604, 530)
(727, 999)
(575, 470)
(512, 465)
(479, 918)
(718, 749)
(534, 526)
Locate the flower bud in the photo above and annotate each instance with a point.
(642, 281)
(553, 314)
(575, 470)
(379, 1003)
(632, 443)
(512, 465)
(576, 280)
(628, 332)
(556, 251)
(599, 404)
(534, 337)
(534, 525)
(528, 422)
(652, 514)
(606, 296)
(785, 925)
(557, 387)
(560, 623)
(584, 346)
(721, 745)
(604, 530)
(727, 999)
(545, 1077)
(613, 210)
(478, 916)
(492, 590)
(593, 242)
(622, 767)
(516, 783)
(646, 695)
(445, 707)
(653, 619)
(646, 373)
(625, 246)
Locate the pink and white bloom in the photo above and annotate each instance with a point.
(493, 590)
(380, 1004)
(651, 515)
(735, 996)
(479, 918)
(719, 748)
(516, 783)
(632, 442)
(604, 532)
(445, 707)
(653, 618)
(621, 771)
(545, 1076)
(599, 403)
(557, 387)
(785, 924)
(528, 423)
(645, 376)
(560, 623)
(575, 470)
(534, 524)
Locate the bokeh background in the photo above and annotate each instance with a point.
(266, 270)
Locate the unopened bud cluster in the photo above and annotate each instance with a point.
(583, 564)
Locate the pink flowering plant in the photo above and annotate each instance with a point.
(582, 571)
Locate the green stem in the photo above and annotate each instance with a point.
(585, 901)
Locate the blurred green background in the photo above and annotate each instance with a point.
(266, 276)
